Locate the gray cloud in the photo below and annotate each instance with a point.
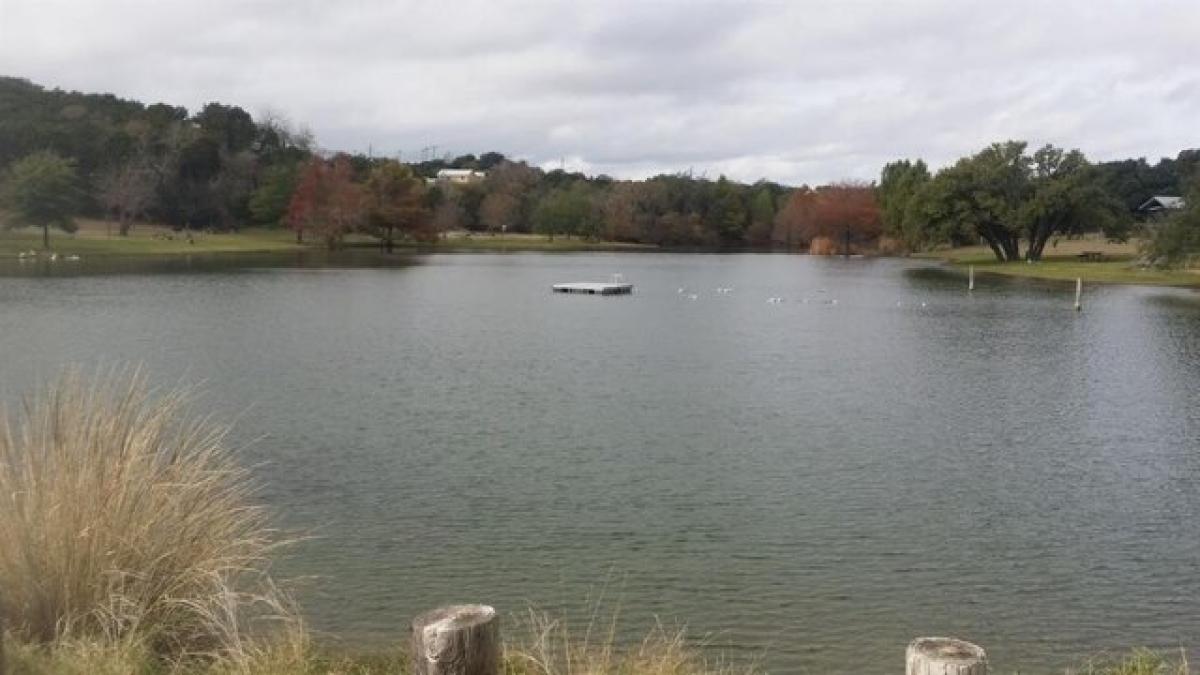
(791, 91)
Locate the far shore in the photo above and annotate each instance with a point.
(1117, 263)
(100, 238)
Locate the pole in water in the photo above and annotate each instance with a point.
(970, 277)
(1078, 293)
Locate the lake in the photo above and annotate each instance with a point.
(814, 482)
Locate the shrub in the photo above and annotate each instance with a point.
(126, 520)
(891, 246)
(823, 246)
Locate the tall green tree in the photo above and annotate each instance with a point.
(41, 190)
(1067, 198)
(395, 203)
(727, 216)
(985, 193)
(269, 201)
(899, 184)
(762, 215)
(567, 210)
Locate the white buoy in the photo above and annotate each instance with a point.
(1078, 293)
(970, 277)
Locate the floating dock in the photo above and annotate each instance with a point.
(594, 288)
(616, 286)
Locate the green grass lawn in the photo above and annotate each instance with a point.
(1061, 263)
(92, 239)
(529, 242)
(98, 238)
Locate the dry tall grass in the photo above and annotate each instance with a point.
(1137, 662)
(125, 520)
(545, 645)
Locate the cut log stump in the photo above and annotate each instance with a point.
(945, 656)
(456, 640)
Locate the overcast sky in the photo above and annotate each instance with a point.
(790, 91)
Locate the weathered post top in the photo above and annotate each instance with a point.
(945, 656)
(456, 640)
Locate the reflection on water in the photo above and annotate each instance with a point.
(879, 455)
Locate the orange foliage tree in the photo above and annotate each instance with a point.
(844, 212)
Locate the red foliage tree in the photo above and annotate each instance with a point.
(847, 212)
(326, 200)
(844, 212)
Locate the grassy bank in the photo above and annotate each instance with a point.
(461, 241)
(1062, 262)
(659, 654)
(99, 238)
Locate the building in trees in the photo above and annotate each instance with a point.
(460, 176)
(1159, 206)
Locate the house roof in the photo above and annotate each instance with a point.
(1160, 202)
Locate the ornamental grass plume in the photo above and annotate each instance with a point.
(126, 520)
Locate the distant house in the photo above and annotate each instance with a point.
(459, 176)
(1159, 206)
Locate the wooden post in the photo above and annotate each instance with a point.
(456, 640)
(945, 656)
(1078, 293)
(970, 277)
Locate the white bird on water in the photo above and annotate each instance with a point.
(72, 258)
(692, 296)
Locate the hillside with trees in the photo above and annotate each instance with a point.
(222, 169)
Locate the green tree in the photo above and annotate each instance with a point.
(230, 126)
(899, 184)
(1175, 242)
(727, 215)
(1067, 198)
(983, 193)
(269, 201)
(41, 190)
(762, 215)
(395, 201)
(567, 210)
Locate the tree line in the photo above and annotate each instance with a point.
(220, 168)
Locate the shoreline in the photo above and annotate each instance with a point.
(1116, 266)
(150, 242)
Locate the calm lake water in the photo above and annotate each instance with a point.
(815, 483)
